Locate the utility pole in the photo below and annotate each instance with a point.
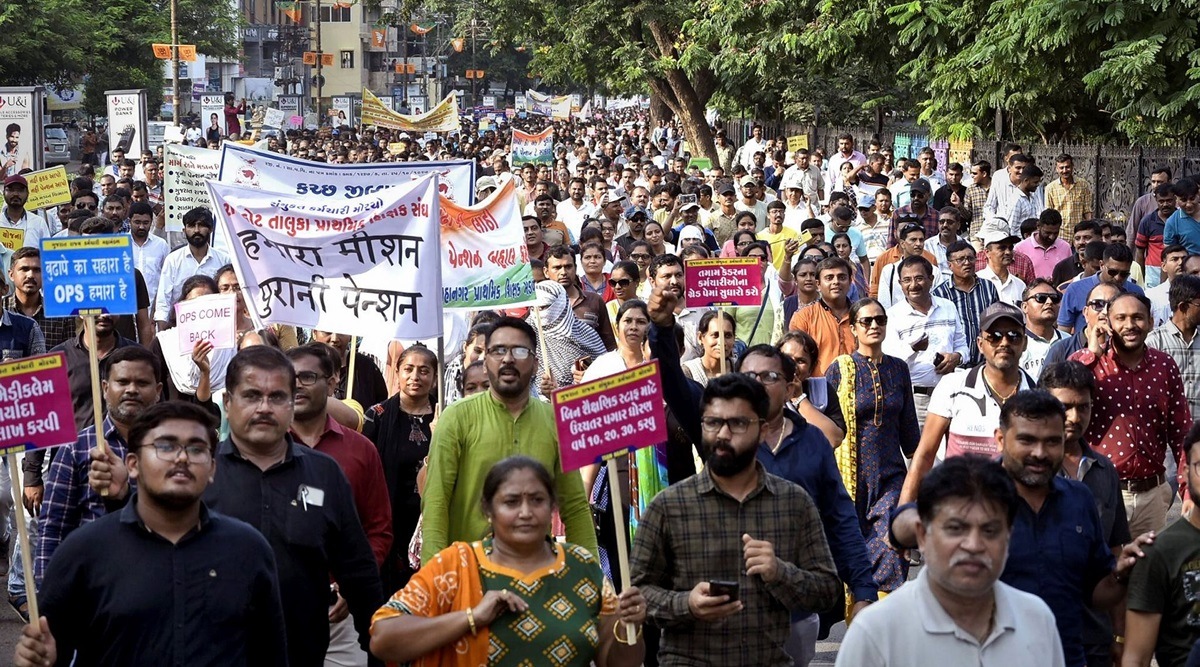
(320, 57)
(474, 99)
(175, 66)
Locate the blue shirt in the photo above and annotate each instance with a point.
(1059, 554)
(1075, 300)
(1183, 229)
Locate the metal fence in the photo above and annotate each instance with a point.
(1118, 174)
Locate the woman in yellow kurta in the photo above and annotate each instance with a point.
(513, 599)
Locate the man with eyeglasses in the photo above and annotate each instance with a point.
(775, 552)
(313, 426)
(299, 500)
(918, 207)
(889, 291)
(789, 447)
(1141, 408)
(1095, 314)
(1040, 302)
(949, 224)
(476, 432)
(227, 611)
(964, 410)
(970, 295)
(1114, 270)
(925, 331)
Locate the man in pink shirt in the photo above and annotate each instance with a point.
(1043, 247)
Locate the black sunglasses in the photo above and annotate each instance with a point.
(869, 322)
(1045, 297)
(1013, 337)
(623, 282)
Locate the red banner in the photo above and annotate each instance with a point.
(612, 414)
(36, 402)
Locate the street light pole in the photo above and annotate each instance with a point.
(320, 57)
(175, 65)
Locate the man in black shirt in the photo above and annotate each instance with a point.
(298, 498)
(190, 586)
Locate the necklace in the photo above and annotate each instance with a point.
(782, 430)
(1001, 400)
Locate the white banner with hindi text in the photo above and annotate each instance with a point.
(364, 266)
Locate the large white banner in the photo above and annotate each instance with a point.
(187, 171)
(127, 121)
(243, 165)
(364, 266)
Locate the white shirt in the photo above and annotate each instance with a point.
(1036, 350)
(745, 154)
(1010, 291)
(32, 226)
(910, 627)
(962, 397)
(1160, 302)
(941, 326)
(149, 258)
(573, 217)
(890, 292)
(833, 164)
(178, 267)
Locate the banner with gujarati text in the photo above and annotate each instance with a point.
(364, 266)
(528, 148)
(485, 262)
(441, 118)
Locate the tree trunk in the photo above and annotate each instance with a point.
(679, 94)
(659, 109)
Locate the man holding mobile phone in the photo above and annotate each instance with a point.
(732, 523)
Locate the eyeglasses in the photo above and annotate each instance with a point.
(1098, 305)
(869, 322)
(1045, 297)
(307, 378)
(737, 425)
(1013, 337)
(90, 207)
(166, 450)
(765, 377)
(1113, 273)
(948, 221)
(622, 282)
(519, 352)
(969, 259)
(276, 399)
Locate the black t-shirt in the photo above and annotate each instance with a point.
(1066, 269)
(866, 176)
(1167, 582)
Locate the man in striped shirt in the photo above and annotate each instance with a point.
(970, 295)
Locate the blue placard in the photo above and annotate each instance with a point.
(89, 275)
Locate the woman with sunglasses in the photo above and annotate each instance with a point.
(624, 283)
(871, 401)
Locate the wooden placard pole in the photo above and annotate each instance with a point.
(350, 373)
(614, 494)
(26, 549)
(89, 322)
(721, 343)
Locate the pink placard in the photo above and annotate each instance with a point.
(614, 413)
(726, 281)
(35, 404)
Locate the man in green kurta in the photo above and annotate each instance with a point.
(477, 432)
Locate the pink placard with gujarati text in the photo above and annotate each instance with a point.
(612, 414)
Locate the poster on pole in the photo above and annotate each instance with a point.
(37, 410)
(47, 187)
(485, 263)
(727, 281)
(613, 414)
(88, 275)
(187, 169)
(529, 148)
(274, 119)
(212, 113)
(364, 266)
(341, 111)
(21, 118)
(127, 120)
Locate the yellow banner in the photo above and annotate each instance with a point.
(48, 187)
(797, 142)
(441, 118)
(12, 238)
